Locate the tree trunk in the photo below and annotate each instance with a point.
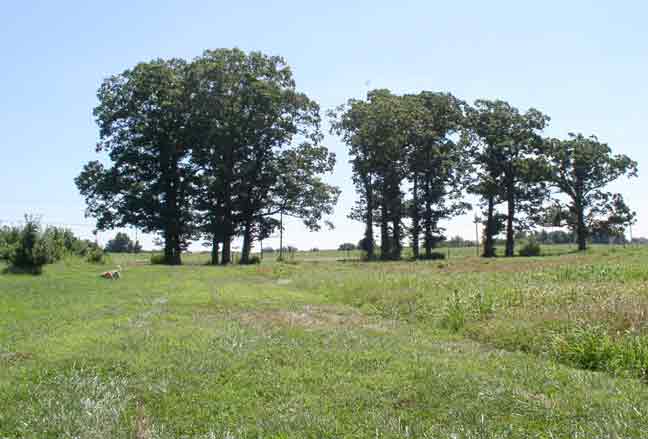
(369, 238)
(396, 247)
(416, 225)
(177, 255)
(385, 240)
(581, 230)
(281, 247)
(510, 233)
(227, 250)
(489, 244)
(169, 169)
(427, 234)
(247, 244)
(214, 251)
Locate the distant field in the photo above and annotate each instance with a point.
(330, 347)
(338, 255)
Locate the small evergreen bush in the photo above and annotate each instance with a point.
(32, 250)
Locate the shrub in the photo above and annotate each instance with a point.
(96, 256)
(29, 248)
(347, 246)
(532, 248)
(82, 247)
(9, 238)
(158, 259)
(57, 243)
(32, 251)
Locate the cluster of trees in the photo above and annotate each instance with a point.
(213, 148)
(32, 246)
(224, 146)
(414, 157)
(122, 243)
(398, 141)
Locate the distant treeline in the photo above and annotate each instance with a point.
(225, 145)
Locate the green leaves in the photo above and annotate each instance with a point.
(397, 140)
(581, 167)
(197, 148)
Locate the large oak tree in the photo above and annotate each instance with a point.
(202, 149)
(248, 116)
(581, 168)
(143, 118)
(507, 163)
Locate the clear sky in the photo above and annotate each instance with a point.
(584, 63)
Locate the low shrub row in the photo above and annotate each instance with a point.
(30, 247)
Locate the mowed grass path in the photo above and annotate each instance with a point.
(542, 347)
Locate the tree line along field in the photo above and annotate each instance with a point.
(467, 347)
(224, 145)
(400, 338)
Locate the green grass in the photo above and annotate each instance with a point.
(553, 346)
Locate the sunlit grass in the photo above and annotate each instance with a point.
(551, 346)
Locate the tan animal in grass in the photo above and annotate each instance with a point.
(112, 275)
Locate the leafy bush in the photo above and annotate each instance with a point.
(347, 246)
(96, 256)
(32, 250)
(532, 248)
(9, 238)
(57, 243)
(29, 248)
(157, 259)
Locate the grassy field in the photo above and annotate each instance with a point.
(547, 347)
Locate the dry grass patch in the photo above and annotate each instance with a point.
(14, 357)
(315, 317)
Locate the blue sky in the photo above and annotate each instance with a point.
(584, 63)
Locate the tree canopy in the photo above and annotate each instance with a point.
(225, 145)
(122, 243)
(581, 168)
(209, 148)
